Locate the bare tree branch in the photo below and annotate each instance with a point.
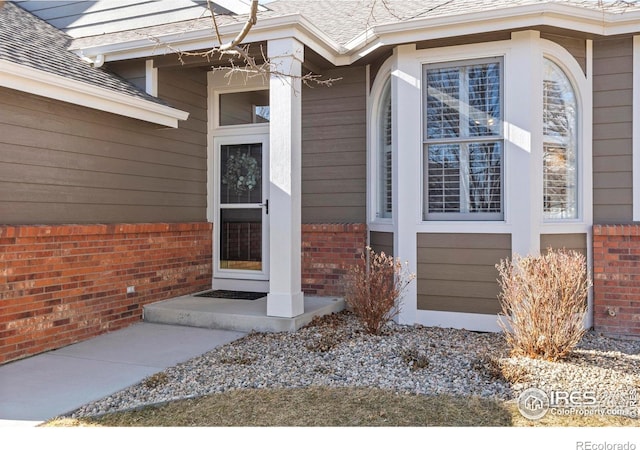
(251, 21)
(238, 60)
(215, 22)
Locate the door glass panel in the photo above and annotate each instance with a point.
(241, 174)
(241, 239)
(242, 108)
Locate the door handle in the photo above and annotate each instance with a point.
(266, 205)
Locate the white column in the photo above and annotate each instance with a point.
(523, 141)
(285, 298)
(406, 100)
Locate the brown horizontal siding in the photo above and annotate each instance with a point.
(612, 130)
(334, 150)
(576, 242)
(456, 272)
(62, 163)
(381, 242)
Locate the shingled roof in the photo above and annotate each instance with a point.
(32, 42)
(344, 20)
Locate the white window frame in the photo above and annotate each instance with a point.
(582, 84)
(374, 99)
(218, 86)
(467, 52)
(578, 144)
(461, 141)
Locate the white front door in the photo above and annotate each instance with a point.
(241, 223)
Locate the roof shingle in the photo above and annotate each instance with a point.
(344, 20)
(31, 42)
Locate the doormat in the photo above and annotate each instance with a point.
(233, 295)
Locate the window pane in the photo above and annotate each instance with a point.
(241, 108)
(385, 192)
(241, 239)
(485, 176)
(444, 178)
(560, 174)
(463, 140)
(484, 99)
(241, 173)
(559, 183)
(443, 94)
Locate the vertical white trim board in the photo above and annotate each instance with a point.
(636, 128)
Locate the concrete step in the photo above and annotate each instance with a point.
(236, 315)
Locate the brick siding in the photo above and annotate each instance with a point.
(61, 284)
(616, 267)
(327, 252)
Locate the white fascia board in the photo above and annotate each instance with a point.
(34, 81)
(296, 25)
(554, 15)
(292, 25)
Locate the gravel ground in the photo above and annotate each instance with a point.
(334, 351)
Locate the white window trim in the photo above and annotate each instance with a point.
(469, 52)
(570, 144)
(636, 128)
(583, 89)
(463, 216)
(219, 84)
(373, 139)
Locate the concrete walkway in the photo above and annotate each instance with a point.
(44, 386)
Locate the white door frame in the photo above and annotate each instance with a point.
(234, 278)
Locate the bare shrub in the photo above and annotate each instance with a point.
(239, 359)
(544, 300)
(155, 380)
(374, 287)
(415, 358)
(326, 340)
(488, 365)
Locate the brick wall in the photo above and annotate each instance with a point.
(616, 267)
(62, 284)
(327, 251)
